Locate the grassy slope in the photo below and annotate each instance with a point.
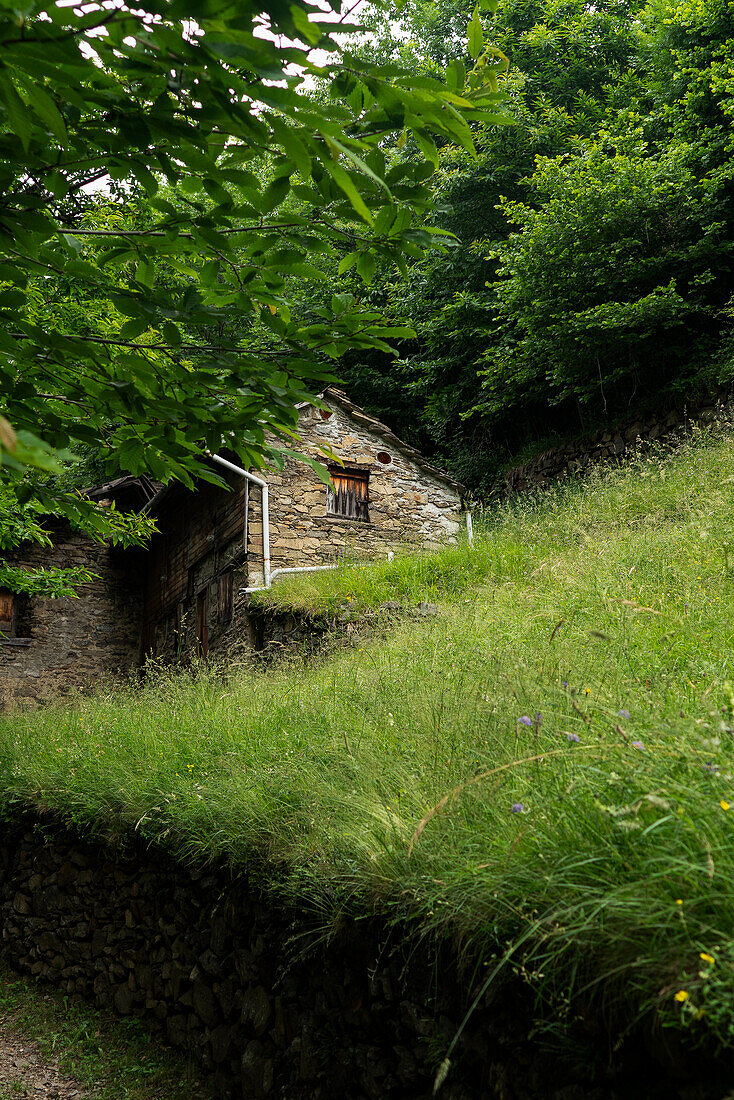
(113, 1059)
(387, 775)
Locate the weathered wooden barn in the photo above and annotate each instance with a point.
(188, 591)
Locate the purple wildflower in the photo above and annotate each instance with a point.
(573, 737)
(712, 768)
(685, 607)
(623, 713)
(538, 718)
(517, 808)
(637, 745)
(564, 684)
(525, 721)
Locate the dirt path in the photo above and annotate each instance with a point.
(26, 1075)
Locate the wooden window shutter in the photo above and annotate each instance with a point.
(350, 495)
(224, 601)
(8, 610)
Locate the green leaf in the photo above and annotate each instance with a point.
(366, 265)
(144, 176)
(133, 328)
(145, 273)
(426, 146)
(345, 182)
(15, 110)
(171, 334)
(347, 262)
(293, 146)
(309, 32)
(456, 75)
(44, 107)
(475, 35)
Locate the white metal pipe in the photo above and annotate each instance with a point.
(288, 569)
(266, 509)
(238, 470)
(266, 536)
(300, 569)
(469, 528)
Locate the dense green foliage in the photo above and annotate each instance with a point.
(591, 278)
(132, 324)
(543, 772)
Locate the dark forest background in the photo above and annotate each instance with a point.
(590, 275)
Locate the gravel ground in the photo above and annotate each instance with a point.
(26, 1075)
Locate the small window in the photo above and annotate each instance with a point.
(384, 458)
(8, 612)
(224, 598)
(350, 495)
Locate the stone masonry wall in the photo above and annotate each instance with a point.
(407, 505)
(73, 643)
(276, 1008)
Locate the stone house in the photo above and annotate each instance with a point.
(188, 591)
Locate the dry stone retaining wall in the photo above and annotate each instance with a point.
(272, 1004)
(607, 445)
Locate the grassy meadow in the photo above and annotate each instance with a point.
(541, 772)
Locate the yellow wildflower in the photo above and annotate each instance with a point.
(706, 957)
(679, 901)
(681, 996)
(724, 805)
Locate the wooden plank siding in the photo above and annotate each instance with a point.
(224, 597)
(192, 526)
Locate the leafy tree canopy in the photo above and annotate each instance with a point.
(202, 107)
(573, 65)
(616, 285)
(592, 276)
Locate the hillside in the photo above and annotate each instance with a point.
(542, 771)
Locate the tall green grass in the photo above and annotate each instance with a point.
(542, 773)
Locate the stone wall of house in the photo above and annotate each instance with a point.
(72, 644)
(274, 1007)
(608, 444)
(408, 505)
